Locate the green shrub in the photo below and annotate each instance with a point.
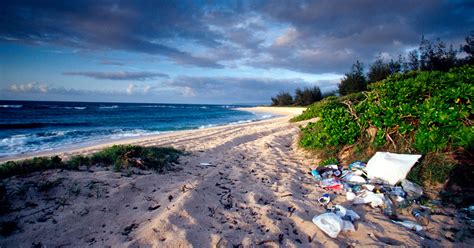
(432, 109)
(314, 110)
(124, 156)
(422, 112)
(76, 161)
(329, 161)
(337, 125)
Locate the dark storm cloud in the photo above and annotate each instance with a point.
(135, 26)
(333, 34)
(311, 36)
(119, 75)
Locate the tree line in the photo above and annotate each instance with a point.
(302, 97)
(429, 56)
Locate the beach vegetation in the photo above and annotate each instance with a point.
(307, 96)
(126, 156)
(425, 112)
(12, 168)
(282, 99)
(118, 156)
(353, 81)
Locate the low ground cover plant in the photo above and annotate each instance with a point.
(425, 112)
(119, 156)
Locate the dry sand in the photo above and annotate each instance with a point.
(256, 192)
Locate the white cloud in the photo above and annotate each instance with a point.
(29, 87)
(133, 89)
(188, 92)
(146, 89)
(130, 89)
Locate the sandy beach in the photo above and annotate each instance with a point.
(241, 185)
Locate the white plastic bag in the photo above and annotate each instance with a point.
(348, 226)
(375, 200)
(390, 167)
(353, 178)
(329, 223)
(351, 214)
(350, 196)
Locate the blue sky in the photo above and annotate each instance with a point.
(196, 52)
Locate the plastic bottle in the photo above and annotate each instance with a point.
(421, 216)
(409, 224)
(388, 208)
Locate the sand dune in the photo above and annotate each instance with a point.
(256, 192)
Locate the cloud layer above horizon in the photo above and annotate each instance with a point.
(192, 51)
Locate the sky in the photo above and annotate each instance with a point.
(220, 52)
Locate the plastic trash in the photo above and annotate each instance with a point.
(356, 188)
(337, 173)
(329, 223)
(352, 215)
(324, 199)
(350, 196)
(397, 191)
(331, 183)
(400, 202)
(348, 226)
(352, 178)
(375, 200)
(358, 172)
(369, 187)
(205, 164)
(316, 175)
(388, 207)
(414, 191)
(409, 224)
(332, 167)
(340, 210)
(345, 214)
(390, 167)
(357, 165)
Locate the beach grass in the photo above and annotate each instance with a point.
(120, 157)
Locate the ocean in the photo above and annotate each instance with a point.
(29, 127)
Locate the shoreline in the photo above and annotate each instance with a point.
(64, 153)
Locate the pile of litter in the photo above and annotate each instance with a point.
(380, 183)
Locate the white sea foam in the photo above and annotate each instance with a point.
(69, 107)
(120, 134)
(208, 125)
(109, 107)
(11, 106)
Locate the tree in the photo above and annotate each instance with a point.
(435, 56)
(396, 65)
(307, 96)
(379, 70)
(282, 99)
(353, 81)
(468, 48)
(413, 63)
